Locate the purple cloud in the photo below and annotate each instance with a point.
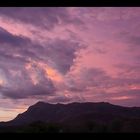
(62, 54)
(21, 85)
(6, 38)
(40, 16)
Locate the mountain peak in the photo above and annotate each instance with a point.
(41, 103)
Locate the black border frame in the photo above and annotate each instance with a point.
(70, 3)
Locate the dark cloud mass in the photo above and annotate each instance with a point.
(21, 85)
(39, 16)
(13, 47)
(62, 53)
(8, 38)
(57, 52)
(14, 56)
(18, 51)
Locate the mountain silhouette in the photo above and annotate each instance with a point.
(78, 114)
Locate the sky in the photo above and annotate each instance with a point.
(68, 54)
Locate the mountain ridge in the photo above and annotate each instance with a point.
(46, 112)
(81, 117)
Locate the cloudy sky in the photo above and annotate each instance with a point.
(68, 55)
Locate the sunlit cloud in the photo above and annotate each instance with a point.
(122, 98)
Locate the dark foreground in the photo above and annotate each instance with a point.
(75, 118)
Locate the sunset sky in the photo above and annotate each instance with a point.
(62, 55)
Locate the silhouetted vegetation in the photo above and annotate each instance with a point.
(115, 126)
